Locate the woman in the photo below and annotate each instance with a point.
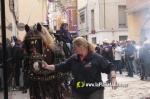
(86, 67)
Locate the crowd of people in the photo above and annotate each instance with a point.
(127, 55)
(14, 56)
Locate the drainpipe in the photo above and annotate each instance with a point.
(104, 14)
(87, 17)
(99, 15)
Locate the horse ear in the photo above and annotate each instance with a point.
(27, 28)
(39, 27)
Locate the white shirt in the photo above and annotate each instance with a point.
(118, 53)
(138, 48)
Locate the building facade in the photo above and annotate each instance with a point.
(138, 19)
(9, 20)
(19, 13)
(106, 19)
(64, 10)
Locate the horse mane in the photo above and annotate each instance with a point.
(43, 32)
(48, 40)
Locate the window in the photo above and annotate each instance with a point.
(122, 17)
(92, 20)
(94, 40)
(82, 17)
(122, 38)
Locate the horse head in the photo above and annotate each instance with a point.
(39, 45)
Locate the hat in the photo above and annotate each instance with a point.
(147, 42)
(44, 23)
(64, 21)
(128, 40)
(97, 43)
(106, 41)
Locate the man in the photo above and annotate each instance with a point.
(65, 37)
(129, 56)
(144, 55)
(17, 58)
(45, 24)
(108, 54)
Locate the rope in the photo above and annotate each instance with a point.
(36, 1)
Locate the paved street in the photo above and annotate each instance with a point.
(136, 89)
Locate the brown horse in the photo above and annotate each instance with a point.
(39, 45)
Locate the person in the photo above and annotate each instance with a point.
(17, 59)
(45, 24)
(97, 48)
(138, 61)
(117, 58)
(8, 63)
(107, 52)
(129, 56)
(86, 67)
(123, 63)
(65, 36)
(144, 55)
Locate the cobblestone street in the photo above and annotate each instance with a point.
(136, 89)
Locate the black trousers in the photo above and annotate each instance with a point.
(99, 94)
(17, 74)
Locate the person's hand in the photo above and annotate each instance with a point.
(114, 83)
(44, 65)
(106, 49)
(36, 66)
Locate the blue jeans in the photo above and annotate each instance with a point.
(130, 66)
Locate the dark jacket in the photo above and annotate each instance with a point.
(65, 36)
(129, 51)
(108, 54)
(17, 55)
(89, 70)
(144, 53)
(8, 55)
(97, 49)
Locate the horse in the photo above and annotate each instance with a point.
(40, 45)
